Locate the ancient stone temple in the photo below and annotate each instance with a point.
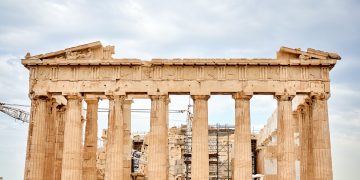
(62, 81)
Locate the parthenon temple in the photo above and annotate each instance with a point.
(62, 142)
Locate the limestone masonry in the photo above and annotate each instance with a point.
(61, 81)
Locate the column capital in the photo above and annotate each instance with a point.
(61, 108)
(91, 98)
(284, 97)
(116, 97)
(308, 101)
(39, 95)
(200, 97)
(60, 100)
(36, 97)
(119, 98)
(128, 101)
(242, 95)
(319, 96)
(159, 97)
(73, 96)
(300, 108)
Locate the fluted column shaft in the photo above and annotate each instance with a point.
(242, 155)
(90, 145)
(114, 153)
(127, 139)
(200, 136)
(72, 155)
(158, 140)
(321, 147)
(59, 142)
(50, 140)
(304, 140)
(36, 146)
(285, 140)
(109, 135)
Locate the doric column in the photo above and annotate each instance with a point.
(158, 139)
(242, 155)
(50, 140)
(200, 136)
(72, 155)
(310, 166)
(320, 138)
(304, 140)
(36, 146)
(59, 141)
(114, 152)
(168, 150)
(90, 145)
(127, 138)
(109, 133)
(285, 140)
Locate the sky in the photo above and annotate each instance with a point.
(152, 28)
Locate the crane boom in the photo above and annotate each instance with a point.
(23, 116)
(16, 113)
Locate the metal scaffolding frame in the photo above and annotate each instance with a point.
(219, 151)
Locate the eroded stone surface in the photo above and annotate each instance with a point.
(61, 80)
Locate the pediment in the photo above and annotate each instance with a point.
(296, 53)
(89, 51)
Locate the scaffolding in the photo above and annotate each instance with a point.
(187, 144)
(222, 146)
(219, 151)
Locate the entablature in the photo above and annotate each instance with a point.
(91, 68)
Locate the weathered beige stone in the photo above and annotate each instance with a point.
(303, 114)
(115, 152)
(242, 155)
(72, 155)
(158, 139)
(127, 138)
(35, 156)
(50, 140)
(197, 76)
(89, 69)
(285, 142)
(90, 145)
(200, 151)
(59, 142)
(320, 148)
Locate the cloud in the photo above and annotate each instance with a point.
(14, 80)
(230, 28)
(344, 112)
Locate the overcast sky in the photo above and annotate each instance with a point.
(153, 28)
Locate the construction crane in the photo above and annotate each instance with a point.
(16, 113)
(21, 115)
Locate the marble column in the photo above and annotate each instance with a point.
(115, 152)
(242, 153)
(109, 135)
(285, 139)
(321, 148)
(72, 155)
(304, 141)
(127, 138)
(36, 146)
(90, 144)
(308, 114)
(200, 136)
(59, 141)
(158, 139)
(50, 140)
